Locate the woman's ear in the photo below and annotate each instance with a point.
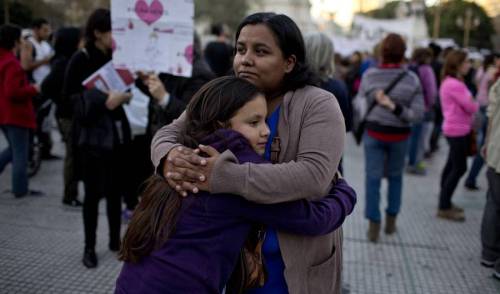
(290, 63)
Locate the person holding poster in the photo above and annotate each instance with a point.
(307, 137)
(101, 131)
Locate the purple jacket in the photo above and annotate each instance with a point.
(202, 252)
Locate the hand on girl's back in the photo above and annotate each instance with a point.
(186, 171)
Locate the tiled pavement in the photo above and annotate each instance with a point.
(41, 242)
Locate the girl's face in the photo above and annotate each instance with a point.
(259, 58)
(250, 121)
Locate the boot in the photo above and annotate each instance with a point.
(89, 258)
(373, 231)
(451, 214)
(390, 224)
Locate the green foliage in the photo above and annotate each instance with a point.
(388, 11)
(480, 36)
(230, 12)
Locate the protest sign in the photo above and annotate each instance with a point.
(153, 35)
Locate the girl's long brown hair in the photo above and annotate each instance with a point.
(154, 217)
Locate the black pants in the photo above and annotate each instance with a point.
(102, 177)
(455, 168)
(490, 225)
(140, 167)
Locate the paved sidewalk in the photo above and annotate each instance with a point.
(41, 241)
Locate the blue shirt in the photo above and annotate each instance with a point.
(275, 266)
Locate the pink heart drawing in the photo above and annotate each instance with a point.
(149, 13)
(188, 54)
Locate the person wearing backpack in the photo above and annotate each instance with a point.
(387, 129)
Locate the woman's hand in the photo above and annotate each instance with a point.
(116, 99)
(156, 88)
(185, 170)
(384, 100)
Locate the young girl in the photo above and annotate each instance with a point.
(191, 245)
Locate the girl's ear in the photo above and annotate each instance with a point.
(222, 125)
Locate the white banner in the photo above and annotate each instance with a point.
(153, 35)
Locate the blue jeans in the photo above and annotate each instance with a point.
(414, 144)
(478, 162)
(17, 153)
(383, 159)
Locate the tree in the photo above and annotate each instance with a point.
(454, 10)
(19, 13)
(230, 12)
(451, 12)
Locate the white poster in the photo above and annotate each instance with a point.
(153, 35)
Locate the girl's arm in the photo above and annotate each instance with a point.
(15, 83)
(302, 217)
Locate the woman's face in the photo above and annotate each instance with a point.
(104, 39)
(464, 68)
(259, 58)
(250, 121)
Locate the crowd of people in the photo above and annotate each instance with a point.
(243, 160)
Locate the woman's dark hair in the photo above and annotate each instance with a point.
(99, 20)
(488, 61)
(454, 60)
(9, 34)
(290, 41)
(421, 56)
(155, 216)
(66, 41)
(393, 49)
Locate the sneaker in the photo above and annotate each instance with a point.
(114, 246)
(89, 258)
(50, 156)
(471, 187)
(418, 170)
(496, 275)
(73, 203)
(127, 215)
(487, 263)
(451, 214)
(34, 193)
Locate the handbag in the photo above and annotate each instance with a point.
(249, 271)
(360, 104)
(472, 148)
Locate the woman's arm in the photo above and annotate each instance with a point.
(462, 96)
(15, 83)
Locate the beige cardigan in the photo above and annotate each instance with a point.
(312, 132)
